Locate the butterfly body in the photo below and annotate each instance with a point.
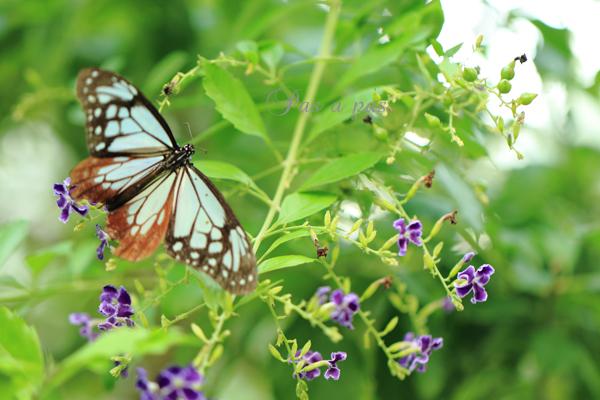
(151, 188)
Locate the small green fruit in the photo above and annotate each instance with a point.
(504, 86)
(448, 99)
(469, 74)
(526, 98)
(432, 120)
(508, 72)
(381, 134)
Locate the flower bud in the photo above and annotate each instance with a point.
(333, 225)
(275, 353)
(199, 333)
(526, 98)
(432, 120)
(327, 219)
(370, 291)
(478, 41)
(370, 228)
(428, 261)
(305, 349)
(469, 74)
(381, 134)
(376, 96)
(355, 226)
(144, 321)
(413, 190)
(504, 86)
(447, 99)
(216, 354)
(390, 327)
(437, 249)
(384, 205)
(164, 321)
(467, 257)
(501, 124)
(508, 72)
(390, 242)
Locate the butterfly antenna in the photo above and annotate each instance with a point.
(190, 129)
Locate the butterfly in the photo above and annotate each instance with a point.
(151, 189)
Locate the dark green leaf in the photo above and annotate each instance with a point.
(301, 205)
(286, 238)
(38, 260)
(341, 168)
(276, 263)
(222, 170)
(11, 236)
(233, 100)
(20, 356)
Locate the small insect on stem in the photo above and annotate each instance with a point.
(190, 129)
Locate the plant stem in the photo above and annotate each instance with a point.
(311, 92)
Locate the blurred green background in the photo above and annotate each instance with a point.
(537, 337)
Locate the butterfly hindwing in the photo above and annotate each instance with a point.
(205, 234)
(119, 119)
(140, 225)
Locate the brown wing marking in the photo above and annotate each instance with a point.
(103, 179)
(140, 225)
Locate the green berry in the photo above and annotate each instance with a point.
(504, 86)
(432, 120)
(447, 99)
(469, 74)
(508, 72)
(526, 98)
(381, 134)
(376, 97)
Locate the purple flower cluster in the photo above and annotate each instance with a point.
(86, 330)
(475, 282)
(313, 357)
(65, 201)
(104, 238)
(426, 346)
(173, 383)
(116, 306)
(346, 305)
(411, 233)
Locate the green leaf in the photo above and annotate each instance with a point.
(272, 55)
(138, 341)
(233, 100)
(286, 238)
(452, 51)
(21, 361)
(301, 205)
(222, 170)
(38, 260)
(347, 108)
(275, 263)
(11, 236)
(341, 168)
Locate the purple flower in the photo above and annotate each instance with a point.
(86, 330)
(347, 306)
(125, 372)
(410, 233)
(310, 357)
(180, 383)
(333, 371)
(322, 294)
(147, 387)
(66, 202)
(116, 306)
(467, 258)
(426, 346)
(447, 305)
(104, 238)
(475, 281)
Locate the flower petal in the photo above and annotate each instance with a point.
(337, 297)
(462, 291)
(399, 224)
(485, 269)
(479, 294)
(402, 245)
(124, 297)
(414, 237)
(467, 274)
(332, 372)
(415, 226)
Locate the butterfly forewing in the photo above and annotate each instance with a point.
(205, 234)
(119, 119)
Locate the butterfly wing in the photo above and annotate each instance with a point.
(120, 121)
(140, 224)
(126, 136)
(205, 233)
